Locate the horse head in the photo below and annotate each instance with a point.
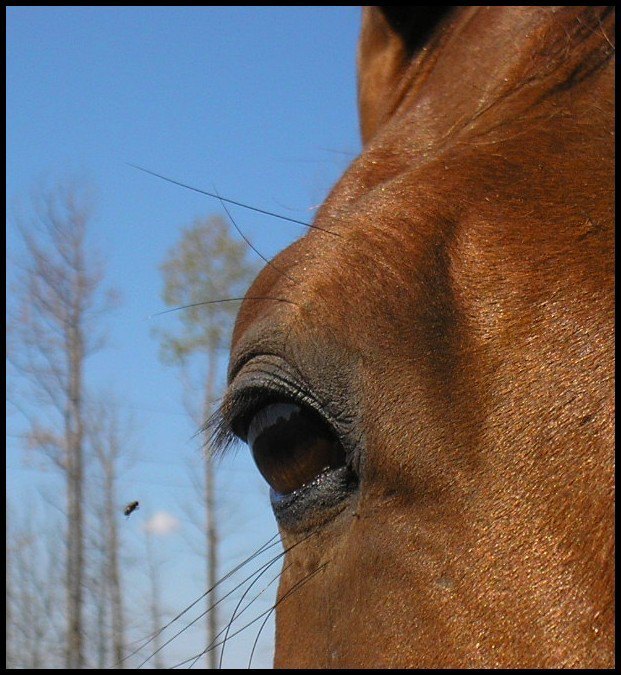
(426, 377)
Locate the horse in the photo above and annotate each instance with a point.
(425, 378)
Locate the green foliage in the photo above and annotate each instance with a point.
(207, 264)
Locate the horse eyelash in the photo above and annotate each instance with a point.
(219, 426)
(220, 436)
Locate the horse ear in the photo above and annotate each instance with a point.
(389, 38)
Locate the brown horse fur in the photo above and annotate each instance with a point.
(461, 309)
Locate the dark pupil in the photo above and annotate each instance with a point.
(292, 449)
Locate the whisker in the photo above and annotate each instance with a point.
(264, 547)
(214, 302)
(256, 597)
(239, 585)
(256, 640)
(259, 572)
(213, 643)
(236, 226)
(232, 201)
(297, 585)
(266, 566)
(235, 615)
(204, 613)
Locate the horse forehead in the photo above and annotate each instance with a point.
(460, 152)
(468, 206)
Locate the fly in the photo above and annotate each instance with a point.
(130, 508)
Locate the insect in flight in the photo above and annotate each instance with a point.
(130, 508)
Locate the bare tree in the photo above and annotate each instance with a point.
(56, 303)
(108, 434)
(207, 264)
(34, 627)
(155, 604)
(9, 592)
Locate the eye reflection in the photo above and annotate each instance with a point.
(292, 446)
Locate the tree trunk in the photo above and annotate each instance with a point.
(156, 610)
(211, 524)
(116, 599)
(9, 592)
(75, 479)
(112, 552)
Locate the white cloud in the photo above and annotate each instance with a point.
(162, 523)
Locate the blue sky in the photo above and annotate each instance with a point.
(259, 103)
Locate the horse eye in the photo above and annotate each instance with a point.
(292, 446)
